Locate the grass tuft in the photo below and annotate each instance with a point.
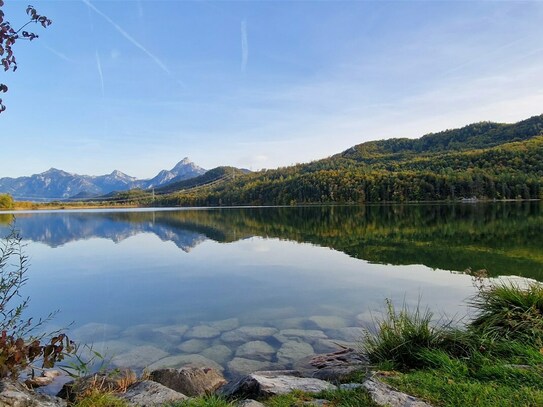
(98, 398)
(507, 311)
(401, 337)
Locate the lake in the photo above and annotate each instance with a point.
(245, 289)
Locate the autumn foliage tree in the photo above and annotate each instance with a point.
(9, 36)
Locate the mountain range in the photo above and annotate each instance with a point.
(55, 184)
(482, 160)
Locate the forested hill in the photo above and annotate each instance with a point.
(483, 160)
(471, 137)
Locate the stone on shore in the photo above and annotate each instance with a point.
(191, 381)
(335, 366)
(260, 385)
(14, 394)
(151, 394)
(386, 395)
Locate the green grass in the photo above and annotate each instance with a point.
(336, 398)
(401, 336)
(508, 311)
(205, 401)
(98, 398)
(495, 360)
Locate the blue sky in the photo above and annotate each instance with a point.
(138, 85)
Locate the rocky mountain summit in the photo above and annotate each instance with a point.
(55, 184)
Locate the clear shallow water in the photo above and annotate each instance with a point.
(248, 289)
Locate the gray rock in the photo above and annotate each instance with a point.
(202, 332)
(250, 403)
(150, 394)
(307, 335)
(350, 386)
(241, 366)
(266, 384)
(13, 394)
(248, 333)
(192, 381)
(178, 361)
(292, 351)
(225, 324)
(257, 350)
(139, 357)
(336, 366)
(385, 395)
(329, 322)
(193, 346)
(330, 345)
(219, 353)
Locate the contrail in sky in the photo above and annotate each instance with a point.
(58, 53)
(100, 73)
(244, 46)
(129, 38)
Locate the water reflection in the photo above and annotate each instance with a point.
(504, 238)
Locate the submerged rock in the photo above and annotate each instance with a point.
(248, 333)
(139, 357)
(202, 332)
(179, 361)
(174, 331)
(94, 331)
(307, 335)
(225, 324)
(241, 366)
(329, 322)
(350, 334)
(292, 351)
(257, 350)
(219, 353)
(192, 381)
(193, 346)
(151, 394)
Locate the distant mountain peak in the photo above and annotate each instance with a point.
(181, 165)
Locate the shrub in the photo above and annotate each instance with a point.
(6, 201)
(19, 348)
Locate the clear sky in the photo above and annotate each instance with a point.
(138, 85)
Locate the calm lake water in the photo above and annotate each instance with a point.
(259, 288)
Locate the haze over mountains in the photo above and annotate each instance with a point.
(55, 184)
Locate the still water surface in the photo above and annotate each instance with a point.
(259, 288)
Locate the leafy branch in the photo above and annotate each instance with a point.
(8, 37)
